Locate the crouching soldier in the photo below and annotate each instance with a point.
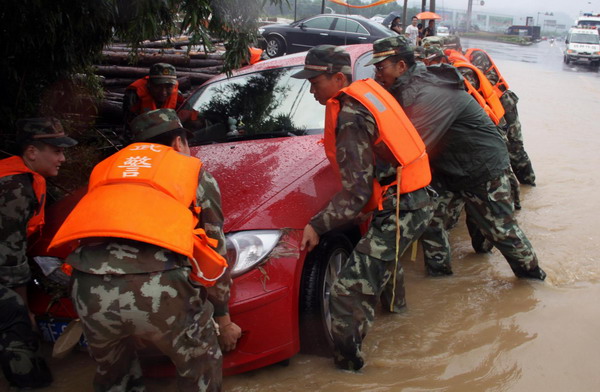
(22, 198)
(149, 265)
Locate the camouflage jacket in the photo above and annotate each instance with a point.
(17, 205)
(360, 161)
(464, 146)
(122, 256)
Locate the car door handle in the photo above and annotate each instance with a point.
(362, 37)
(324, 34)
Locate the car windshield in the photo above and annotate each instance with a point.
(263, 104)
(585, 38)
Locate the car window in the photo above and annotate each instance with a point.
(363, 71)
(584, 38)
(350, 26)
(263, 104)
(319, 23)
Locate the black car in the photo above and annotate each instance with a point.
(321, 29)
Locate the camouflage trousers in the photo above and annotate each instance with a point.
(21, 362)
(490, 208)
(363, 278)
(519, 160)
(161, 308)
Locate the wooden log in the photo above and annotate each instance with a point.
(136, 72)
(176, 59)
(191, 54)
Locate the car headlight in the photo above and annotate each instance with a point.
(261, 30)
(246, 249)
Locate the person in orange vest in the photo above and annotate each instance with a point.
(367, 139)
(149, 261)
(159, 89)
(22, 198)
(469, 158)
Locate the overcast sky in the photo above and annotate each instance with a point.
(530, 7)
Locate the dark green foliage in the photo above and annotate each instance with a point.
(48, 47)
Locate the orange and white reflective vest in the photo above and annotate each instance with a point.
(146, 192)
(500, 86)
(395, 130)
(147, 103)
(485, 88)
(15, 165)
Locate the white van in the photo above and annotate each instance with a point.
(582, 44)
(442, 31)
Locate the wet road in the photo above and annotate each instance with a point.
(482, 329)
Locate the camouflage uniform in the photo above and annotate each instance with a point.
(19, 345)
(21, 362)
(519, 160)
(469, 160)
(127, 292)
(362, 279)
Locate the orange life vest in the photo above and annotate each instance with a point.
(454, 55)
(475, 94)
(255, 55)
(500, 86)
(146, 192)
(395, 130)
(15, 165)
(146, 101)
(485, 88)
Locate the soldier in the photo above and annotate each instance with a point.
(146, 264)
(469, 159)
(159, 89)
(519, 160)
(22, 198)
(357, 115)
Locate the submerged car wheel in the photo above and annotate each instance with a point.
(321, 269)
(275, 46)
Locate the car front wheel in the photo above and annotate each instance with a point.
(275, 46)
(320, 271)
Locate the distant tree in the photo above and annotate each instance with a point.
(48, 47)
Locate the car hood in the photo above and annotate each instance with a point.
(261, 180)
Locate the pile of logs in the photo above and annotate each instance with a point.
(118, 69)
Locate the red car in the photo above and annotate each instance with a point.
(262, 142)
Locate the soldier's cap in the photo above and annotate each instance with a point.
(419, 52)
(433, 52)
(154, 123)
(162, 73)
(325, 59)
(48, 130)
(389, 46)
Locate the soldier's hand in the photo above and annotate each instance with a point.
(310, 238)
(229, 333)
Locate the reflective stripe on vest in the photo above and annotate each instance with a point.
(485, 89)
(501, 85)
(15, 165)
(395, 130)
(144, 192)
(146, 101)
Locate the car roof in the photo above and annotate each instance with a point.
(291, 60)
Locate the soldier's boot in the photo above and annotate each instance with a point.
(525, 174)
(25, 369)
(351, 360)
(437, 268)
(534, 273)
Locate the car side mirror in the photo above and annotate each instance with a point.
(302, 26)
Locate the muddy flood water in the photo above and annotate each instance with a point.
(482, 329)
